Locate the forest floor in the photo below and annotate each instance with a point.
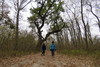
(59, 60)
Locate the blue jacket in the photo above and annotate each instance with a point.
(53, 47)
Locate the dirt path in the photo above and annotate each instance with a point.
(47, 61)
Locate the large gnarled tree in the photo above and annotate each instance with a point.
(47, 12)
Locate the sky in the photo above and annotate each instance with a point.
(24, 24)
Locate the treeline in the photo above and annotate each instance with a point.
(65, 41)
(78, 33)
(14, 41)
(26, 44)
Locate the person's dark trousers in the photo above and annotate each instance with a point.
(52, 52)
(43, 53)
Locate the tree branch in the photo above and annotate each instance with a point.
(49, 33)
(95, 15)
(26, 4)
(43, 18)
(42, 5)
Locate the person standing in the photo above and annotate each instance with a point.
(43, 49)
(52, 48)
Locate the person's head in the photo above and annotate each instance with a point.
(52, 42)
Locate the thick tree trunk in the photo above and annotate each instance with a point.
(40, 40)
(38, 47)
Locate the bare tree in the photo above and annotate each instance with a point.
(19, 5)
(85, 29)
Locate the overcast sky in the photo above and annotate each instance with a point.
(24, 25)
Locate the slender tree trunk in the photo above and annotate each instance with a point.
(73, 32)
(2, 8)
(74, 35)
(17, 31)
(71, 35)
(85, 30)
(66, 39)
(89, 34)
(58, 40)
(79, 36)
